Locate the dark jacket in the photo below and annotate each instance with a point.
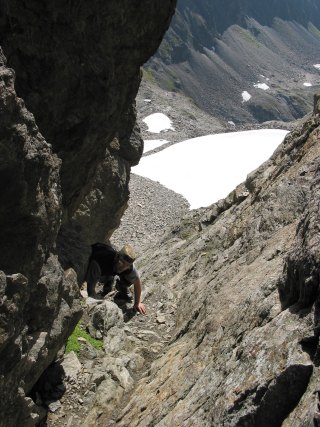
(106, 256)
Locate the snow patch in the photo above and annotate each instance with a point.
(245, 96)
(208, 168)
(262, 86)
(307, 84)
(317, 66)
(158, 122)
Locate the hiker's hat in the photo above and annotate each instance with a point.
(127, 253)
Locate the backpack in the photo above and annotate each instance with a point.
(98, 249)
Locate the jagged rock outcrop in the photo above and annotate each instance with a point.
(78, 70)
(40, 307)
(245, 275)
(67, 141)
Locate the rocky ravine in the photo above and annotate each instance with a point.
(231, 336)
(79, 389)
(245, 277)
(232, 291)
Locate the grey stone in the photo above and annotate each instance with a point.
(71, 365)
(97, 377)
(105, 316)
(54, 406)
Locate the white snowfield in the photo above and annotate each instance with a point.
(158, 122)
(208, 168)
(307, 84)
(317, 66)
(262, 86)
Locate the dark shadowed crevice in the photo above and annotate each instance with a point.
(299, 288)
(309, 345)
(281, 397)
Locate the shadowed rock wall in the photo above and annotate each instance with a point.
(39, 308)
(67, 140)
(77, 68)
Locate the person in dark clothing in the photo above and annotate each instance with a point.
(105, 263)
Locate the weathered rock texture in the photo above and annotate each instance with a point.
(38, 309)
(78, 70)
(65, 159)
(245, 275)
(30, 211)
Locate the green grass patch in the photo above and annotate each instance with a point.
(314, 30)
(169, 85)
(74, 345)
(148, 75)
(246, 34)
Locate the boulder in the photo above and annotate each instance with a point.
(105, 316)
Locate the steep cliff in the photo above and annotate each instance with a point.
(67, 140)
(77, 69)
(39, 308)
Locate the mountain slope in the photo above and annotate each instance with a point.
(213, 53)
(244, 275)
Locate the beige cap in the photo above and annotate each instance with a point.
(128, 253)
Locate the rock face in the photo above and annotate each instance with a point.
(245, 275)
(31, 209)
(78, 70)
(67, 140)
(39, 308)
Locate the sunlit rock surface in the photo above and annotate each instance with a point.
(245, 275)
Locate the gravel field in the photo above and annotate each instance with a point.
(152, 208)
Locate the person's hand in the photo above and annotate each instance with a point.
(140, 308)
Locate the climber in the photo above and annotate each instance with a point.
(105, 263)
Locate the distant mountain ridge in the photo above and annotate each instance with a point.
(213, 52)
(205, 20)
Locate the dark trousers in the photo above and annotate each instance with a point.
(93, 276)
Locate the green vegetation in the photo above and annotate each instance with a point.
(232, 197)
(248, 36)
(165, 50)
(148, 75)
(74, 345)
(169, 85)
(314, 30)
(169, 44)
